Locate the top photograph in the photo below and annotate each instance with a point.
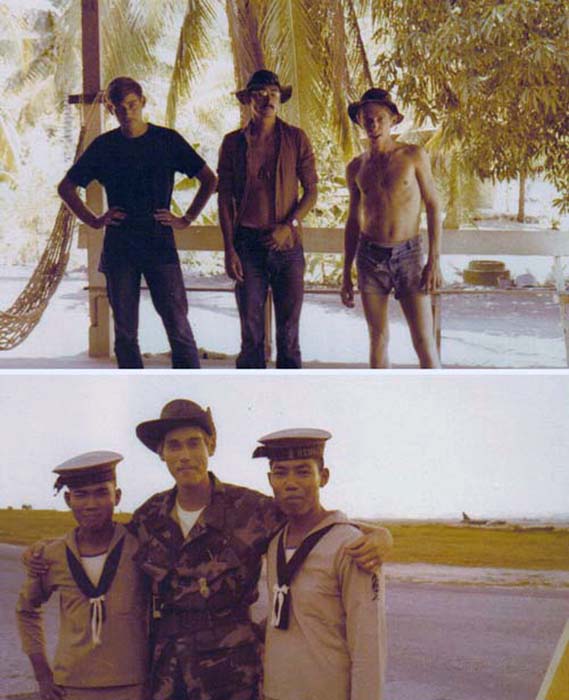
(270, 184)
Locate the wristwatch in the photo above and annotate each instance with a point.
(293, 223)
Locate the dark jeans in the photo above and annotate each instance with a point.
(168, 295)
(283, 271)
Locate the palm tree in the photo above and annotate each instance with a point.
(316, 45)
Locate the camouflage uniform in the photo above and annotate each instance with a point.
(205, 645)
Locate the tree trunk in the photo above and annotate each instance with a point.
(454, 209)
(521, 217)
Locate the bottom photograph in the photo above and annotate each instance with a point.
(286, 536)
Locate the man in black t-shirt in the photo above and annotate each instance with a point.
(136, 164)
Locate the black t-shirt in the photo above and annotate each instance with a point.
(138, 176)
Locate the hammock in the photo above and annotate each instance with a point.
(17, 322)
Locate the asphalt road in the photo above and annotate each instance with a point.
(446, 642)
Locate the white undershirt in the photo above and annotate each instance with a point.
(187, 518)
(93, 566)
(289, 553)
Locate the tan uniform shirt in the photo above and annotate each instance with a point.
(121, 658)
(334, 647)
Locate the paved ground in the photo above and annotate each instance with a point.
(446, 642)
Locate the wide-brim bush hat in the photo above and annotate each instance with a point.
(175, 414)
(375, 96)
(261, 79)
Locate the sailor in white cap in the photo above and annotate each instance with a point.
(102, 646)
(326, 630)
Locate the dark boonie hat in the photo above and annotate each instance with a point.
(87, 469)
(261, 79)
(376, 96)
(295, 443)
(175, 414)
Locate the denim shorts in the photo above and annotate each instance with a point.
(398, 267)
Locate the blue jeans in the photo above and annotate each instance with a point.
(398, 267)
(166, 286)
(283, 271)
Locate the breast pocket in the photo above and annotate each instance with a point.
(217, 580)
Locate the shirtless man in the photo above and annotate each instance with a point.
(387, 184)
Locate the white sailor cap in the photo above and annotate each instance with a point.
(86, 469)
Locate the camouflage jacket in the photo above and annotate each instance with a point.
(215, 570)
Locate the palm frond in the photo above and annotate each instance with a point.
(123, 50)
(193, 46)
(291, 43)
(13, 36)
(243, 21)
(151, 18)
(67, 71)
(336, 75)
(40, 68)
(9, 144)
(358, 59)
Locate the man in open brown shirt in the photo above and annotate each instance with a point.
(260, 168)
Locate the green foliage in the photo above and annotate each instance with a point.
(494, 76)
(28, 526)
(324, 269)
(194, 44)
(316, 46)
(414, 542)
(486, 547)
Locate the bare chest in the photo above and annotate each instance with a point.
(261, 155)
(388, 176)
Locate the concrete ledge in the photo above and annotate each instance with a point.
(476, 241)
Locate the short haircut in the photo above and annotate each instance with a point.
(120, 87)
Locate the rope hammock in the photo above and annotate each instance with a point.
(20, 319)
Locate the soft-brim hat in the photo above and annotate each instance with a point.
(375, 96)
(261, 79)
(86, 469)
(175, 414)
(295, 443)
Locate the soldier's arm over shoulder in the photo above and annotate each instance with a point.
(271, 519)
(35, 591)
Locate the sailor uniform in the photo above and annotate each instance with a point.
(334, 643)
(100, 643)
(102, 649)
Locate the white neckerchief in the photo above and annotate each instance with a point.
(93, 566)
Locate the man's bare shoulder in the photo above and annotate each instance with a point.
(410, 150)
(354, 165)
